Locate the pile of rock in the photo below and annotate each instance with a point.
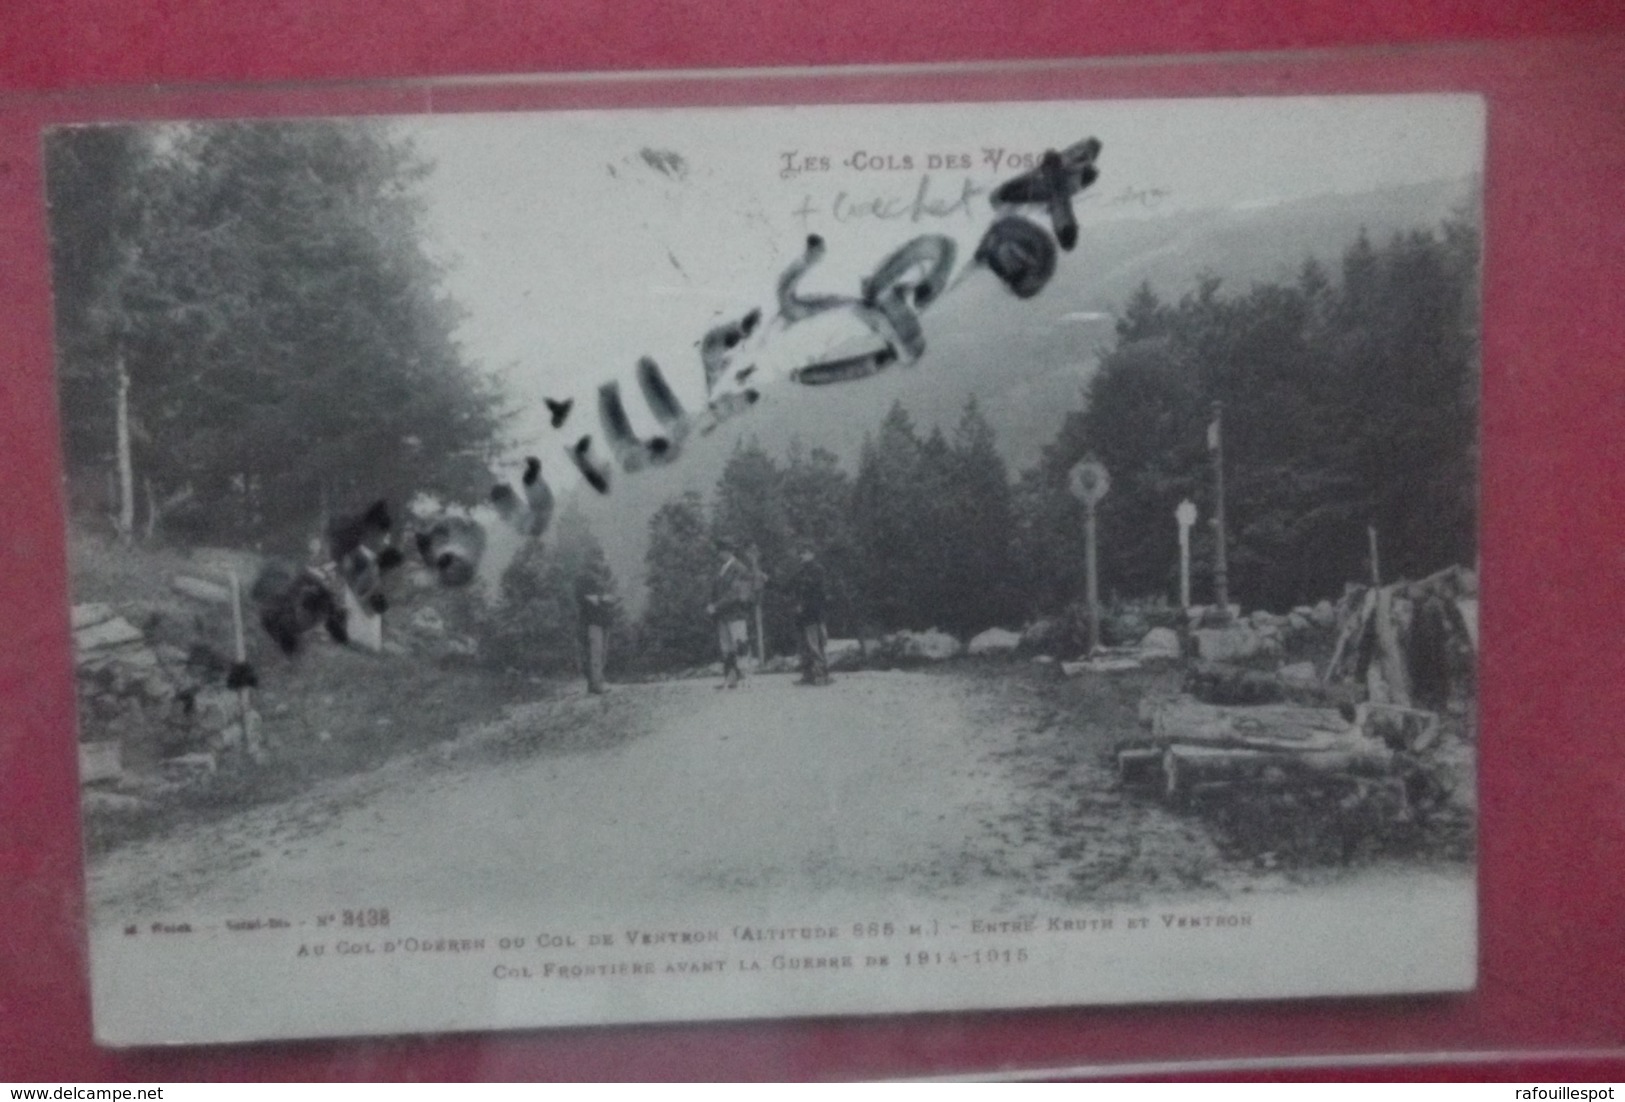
(932, 645)
(143, 709)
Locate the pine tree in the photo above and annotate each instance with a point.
(980, 509)
(536, 625)
(1345, 404)
(288, 347)
(749, 512)
(817, 497)
(891, 525)
(681, 561)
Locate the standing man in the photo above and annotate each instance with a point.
(811, 634)
(594, 608)
(733, 592)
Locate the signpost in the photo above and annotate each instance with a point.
(1185, 515)
(1221, 574)
(759, 582)
(1090, 482)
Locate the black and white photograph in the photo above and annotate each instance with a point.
(614, 566)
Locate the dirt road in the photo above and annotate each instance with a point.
(668, 793)
(895, 810)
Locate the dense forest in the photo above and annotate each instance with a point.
(251, 335)
(1350, 401)
(249, 331)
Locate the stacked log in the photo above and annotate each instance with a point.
(1402, 642)
(1193, 745)
(1225, 683)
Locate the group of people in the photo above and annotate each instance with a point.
(736, 587)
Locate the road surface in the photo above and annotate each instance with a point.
(674, 794)
(951, 815)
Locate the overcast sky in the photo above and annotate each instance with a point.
(574, 253)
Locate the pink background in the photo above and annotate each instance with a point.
(1553, 682)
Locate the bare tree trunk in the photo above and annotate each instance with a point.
(151, 527)
(125, 522)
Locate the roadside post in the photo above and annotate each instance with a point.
(1090, 482)
(1185, 515)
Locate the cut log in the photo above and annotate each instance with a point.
(1390, 656)
(1467, 607)
(1139, 765)
(109, 633)
(1261, 727)
(200, 589)
(1220, 683)
(1186, 766)
(1453, 583)
(1350, 635)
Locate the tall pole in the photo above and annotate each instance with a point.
(1092, 583)
(1185, 516)
(1376, 574)
(758, 583)
(1090, 483)
(1221, 576)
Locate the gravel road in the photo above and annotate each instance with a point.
(678, 793)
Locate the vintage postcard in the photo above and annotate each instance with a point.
(622, 566)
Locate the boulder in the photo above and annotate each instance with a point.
(1228, 644)
(1160, 643)
(1261, 618)
(100, 761)
(1325, 615)
(1041, 634)
(1302, 672)
(844, 654)
(933, 644)
(1123, 627)
(189, 767)
(428, 621)
(994, 641)
(1298, 621)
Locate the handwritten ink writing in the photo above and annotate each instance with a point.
(925, 203)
